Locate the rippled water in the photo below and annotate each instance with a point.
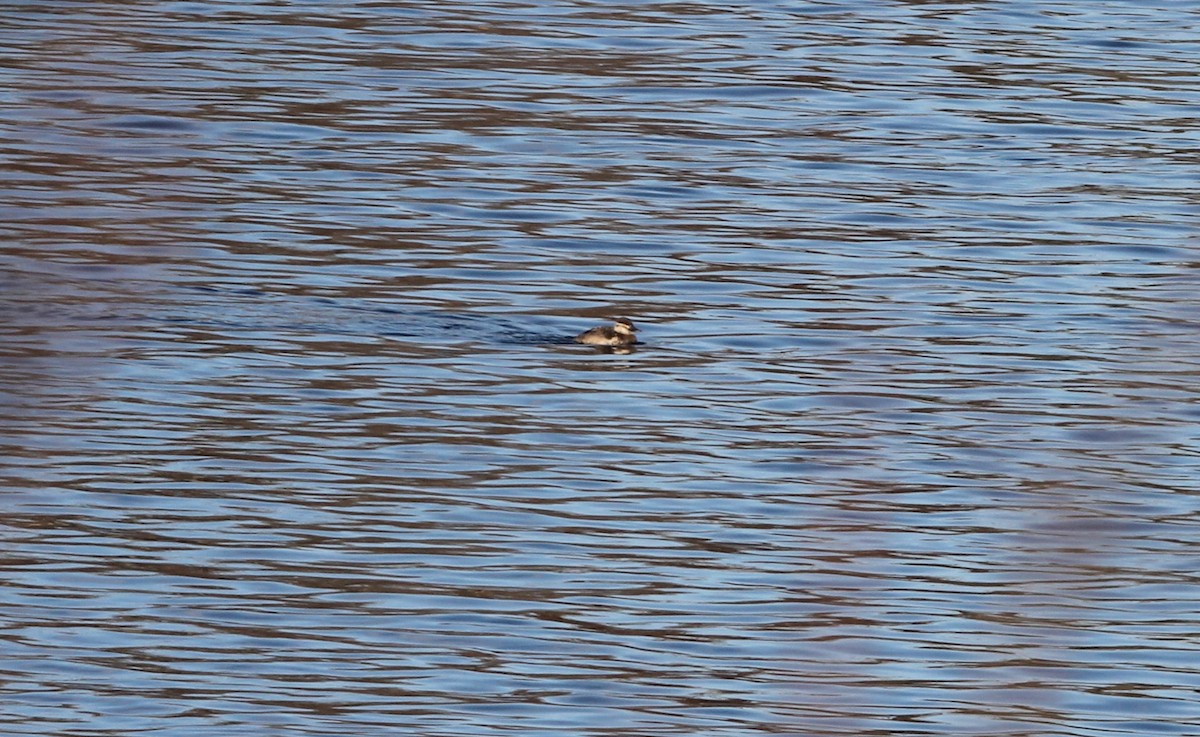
(297, 442)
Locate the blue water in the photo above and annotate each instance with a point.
(297, 442)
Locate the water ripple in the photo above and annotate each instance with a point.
(298, 440)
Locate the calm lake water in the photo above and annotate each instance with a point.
(297, 444)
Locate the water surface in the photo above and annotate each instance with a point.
(297, 443)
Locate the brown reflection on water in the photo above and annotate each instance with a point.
(297, 438)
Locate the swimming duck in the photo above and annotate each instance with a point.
(620, 334)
